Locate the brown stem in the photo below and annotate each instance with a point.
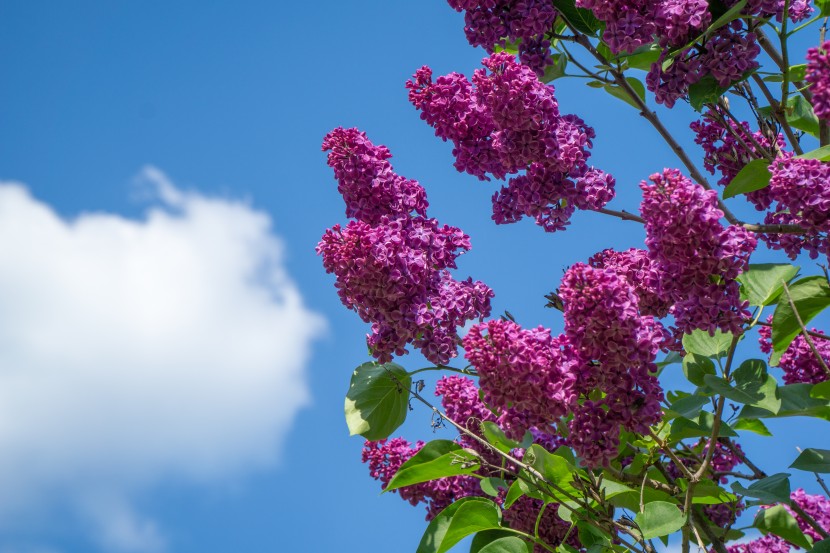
(809, 520)
(774, 229)
(737, 452)
(624, 215)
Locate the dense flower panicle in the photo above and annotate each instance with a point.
(697, 259)
(366, 180)
(505, 122)
(491, 23)
(728, 146)
(671, 83)
(798, 362)
(614, 347)
(635, 266)
(461, 402)
(385, 458)
(553, 530)
(797, 9)
(801, 188)
(818, 74)
(393, 267)
(767, 544)
(522, 373)
(730, 54)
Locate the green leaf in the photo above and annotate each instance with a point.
(709, 493)
(553, 468)
(378, 400)
(824, 6)
(437, 459)
(761, 284)
(690, 406)
(753, 386)
(501, 542)
(754, 176)
(772, 489)
(491, 485)
(821, 154)
(696, 367)
(701, 343)
(495, 437)
(821, 390)
(810, 295)
(621, 93)
(798, 113)
(513, 493)
(683, 428)
(583, 20)
(643, 57)
(460, 519)
(813, 460)
(659, 518)
(777, 520)
(752, 425)
(797, 73)
(705, 91)
(555, 70)
(821, 547)
(795, 402)
(670, 359)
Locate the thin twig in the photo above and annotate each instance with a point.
(810, 332)
(624, 215)
(778, 113)
(809, 520)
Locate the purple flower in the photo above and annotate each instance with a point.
(818, 74)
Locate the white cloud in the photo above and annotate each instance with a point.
(133, 351)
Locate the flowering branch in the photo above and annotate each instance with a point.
(804, 331)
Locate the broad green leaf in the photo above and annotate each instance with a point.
(495, 437)
(796, 73)
(795, 402)
(761, 284)
(659, 518)
(491, 485)
(502, 542)
(621, 93)
(709, 493)
(754, 176)
(813, 460)
(696, 367)
(378, 400)
(690, 406)
(810, 295)
(753, 386)
(683, 428)
(821, 547)
(591, 537)
(556, 70)
(513, 493)
(776, 520)
(772, 489)
(821, 390)
(752, 425)
(460, 519)
(824, 6)
(583, 20)
(799, 114)
(822, 154)
(643, 57)
(554, 468)
(701, 343)
(705, 91)
(437, 459)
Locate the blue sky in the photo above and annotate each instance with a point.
(176, 357)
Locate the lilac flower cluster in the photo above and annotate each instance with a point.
(506, 121)
(796, 11)
(492, 23)
(697, 259)
(726, 56)
(798, 362)
(728, 146)
(522, 373)
(816, 506)
(392, 267)
(385, 457)
(635, 266)
(614, 348)
(630, 24)
(818, 74)
(802, 189)
(553, 530)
